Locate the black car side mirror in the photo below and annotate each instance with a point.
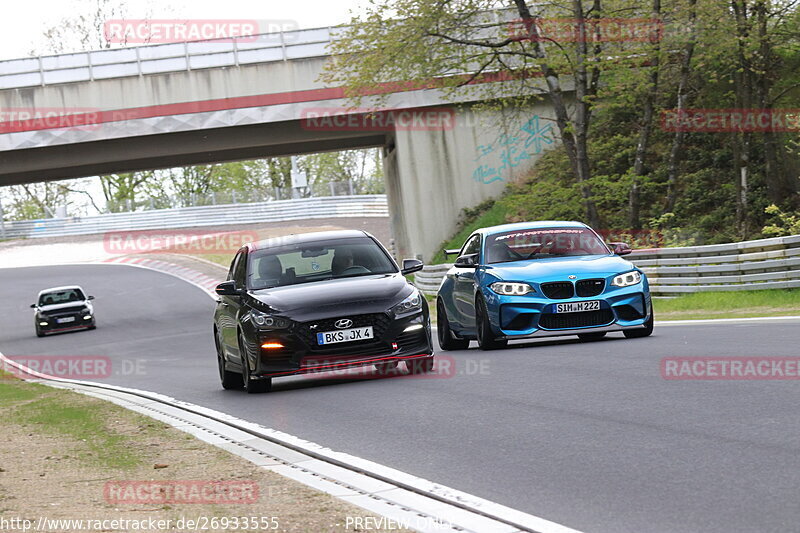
(620, 248)
(411, 265)
(33, 306)
(467, 261)
(227, 288)
(90, 298)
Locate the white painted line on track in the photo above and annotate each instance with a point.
(724, 321)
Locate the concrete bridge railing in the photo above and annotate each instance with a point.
(751, 265)
(217, 215)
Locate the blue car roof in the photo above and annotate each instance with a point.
(539, 224)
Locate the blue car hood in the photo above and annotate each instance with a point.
(558, 268)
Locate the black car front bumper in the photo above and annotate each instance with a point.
(394, 339)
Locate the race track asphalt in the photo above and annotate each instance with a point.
(586, 434)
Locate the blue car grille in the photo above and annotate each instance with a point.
(576, 320)
(558, 290)
(590, 287)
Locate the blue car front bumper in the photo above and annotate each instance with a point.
(534, 315)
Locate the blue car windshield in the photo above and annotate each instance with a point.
(524, 244)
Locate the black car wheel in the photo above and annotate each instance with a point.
(641, 332)
(446, 340)
(592, 336)
(420, 366)
(230, 380)
(486, 339)
(251, 385)
(39, 332)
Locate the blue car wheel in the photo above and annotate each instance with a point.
(443, 331)
(486, 338)
(643, 332)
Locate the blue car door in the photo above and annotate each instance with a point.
(464, 287)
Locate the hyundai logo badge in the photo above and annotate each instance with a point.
(343, 323)
(572, 276)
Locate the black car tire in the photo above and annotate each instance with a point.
(39, 332)
(597, 335)
(446, 340)
(420, 366)
(230, 380)
(486, 339)
(641, 332)
(251, 385)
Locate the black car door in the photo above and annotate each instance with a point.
(228, 308)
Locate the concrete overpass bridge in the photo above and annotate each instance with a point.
(158, 106)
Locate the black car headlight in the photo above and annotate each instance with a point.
(265, 321)
(411, 304)
(511, 288)
(627, 279)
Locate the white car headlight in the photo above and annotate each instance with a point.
(265, 321)
(412, 303)
(627, 279)
(511, 288)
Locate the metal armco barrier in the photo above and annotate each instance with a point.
(216, 215)
(750, 265)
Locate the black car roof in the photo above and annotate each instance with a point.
(303, 238)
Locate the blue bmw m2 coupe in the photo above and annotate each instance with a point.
(540, 279)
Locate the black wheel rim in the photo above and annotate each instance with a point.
(441, 319)
(479, 319)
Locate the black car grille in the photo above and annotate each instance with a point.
(379, 322)
(65, 311)
(590, 287)
(576, 320)
(558, 290)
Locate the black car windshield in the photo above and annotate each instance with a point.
(61, 297)
(316, 261)
(520, 245)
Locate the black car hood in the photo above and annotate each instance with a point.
(68, 306)
(336, 297)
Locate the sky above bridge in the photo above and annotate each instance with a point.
(22, 27)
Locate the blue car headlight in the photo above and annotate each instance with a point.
(511, 288)
(264, 321)
(627, 279)
(411, 304)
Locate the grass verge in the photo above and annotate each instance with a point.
(729, 304)
(60, 449)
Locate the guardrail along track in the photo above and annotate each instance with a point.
(373, 205)
(749, 265)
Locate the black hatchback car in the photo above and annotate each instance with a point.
(318, 302)
(63, 309)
